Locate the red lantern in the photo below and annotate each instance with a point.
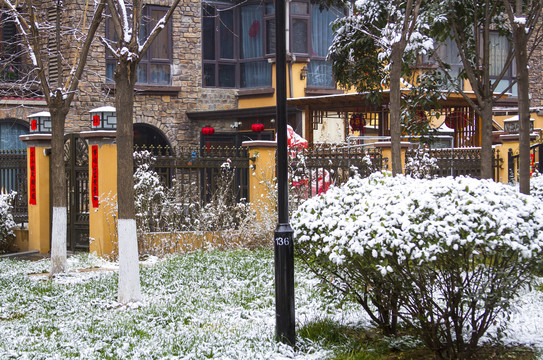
(456, 120)
(357, 122)
(257, 127)
(208, 130)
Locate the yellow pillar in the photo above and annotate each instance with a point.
(39, 207)
(509, 141)
(261, 175)
(386, 147)
(102, 192)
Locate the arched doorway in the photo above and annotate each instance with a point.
(10, 130)
(146, 135)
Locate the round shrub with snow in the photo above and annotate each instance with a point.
(6, 221)
(536, 186)
(445, 255)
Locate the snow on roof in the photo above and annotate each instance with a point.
(103, 109)
(40, 114)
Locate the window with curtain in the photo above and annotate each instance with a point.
(155, 66)
(319, 70)
(310, 36)
(449, 54)
(500, 47)
(235, 45)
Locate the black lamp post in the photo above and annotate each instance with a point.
(283, 237)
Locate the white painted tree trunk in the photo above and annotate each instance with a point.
(58, 240)
(129, 272)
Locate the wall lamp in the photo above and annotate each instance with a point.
(303, 73)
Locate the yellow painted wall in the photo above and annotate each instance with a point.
(261, 177)
(21, 240)
(538, 119)
(298, 89)
(102, 220)
(39, 215)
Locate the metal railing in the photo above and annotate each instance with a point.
(13, 178)
(195, 171)
(536, 162)
(460, 162)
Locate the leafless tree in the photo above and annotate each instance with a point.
(128, 49)
(43, 35)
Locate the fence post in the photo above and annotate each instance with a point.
(38, 185)
(510, 166)
(540, 155)
(261, 176)
(386, 146)
(102, 191)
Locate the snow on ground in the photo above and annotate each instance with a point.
(219, 305)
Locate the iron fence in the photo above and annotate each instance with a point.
(13, 178)
(460, 162)
(536, 162)
(195, 171)
(316, 168)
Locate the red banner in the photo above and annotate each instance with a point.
(32, 189)
(96, 120)
(94, 177)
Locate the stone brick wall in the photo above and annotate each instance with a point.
(536, 78)
(165, 112)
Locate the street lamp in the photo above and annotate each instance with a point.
(283, 236)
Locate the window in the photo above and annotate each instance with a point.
(10, 130)
(311, 36)
(10, 64)
(236, 44)
(449, 54)
(155, 66)
(500, 47)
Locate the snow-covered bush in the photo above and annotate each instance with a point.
(149, 193)
(421, 165)
(450, 253)
(536, 186)
(6, 221)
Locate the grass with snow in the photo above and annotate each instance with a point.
(215, 304)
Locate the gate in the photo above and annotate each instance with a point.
(76, 159)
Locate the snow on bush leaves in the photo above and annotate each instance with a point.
(6, 221)
(446, 255)
(419, 219)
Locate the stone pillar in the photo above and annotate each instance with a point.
(386, 146)
(38, 185)
(102, 192)
(261, 175)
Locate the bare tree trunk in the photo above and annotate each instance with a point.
(395, 98)
(486, 139)
(129, 280)
(58, 189)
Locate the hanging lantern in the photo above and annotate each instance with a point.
(104, 118)
(357, 122)
(456, 120)
(208, 130)
(257, 127)
(40, 122)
